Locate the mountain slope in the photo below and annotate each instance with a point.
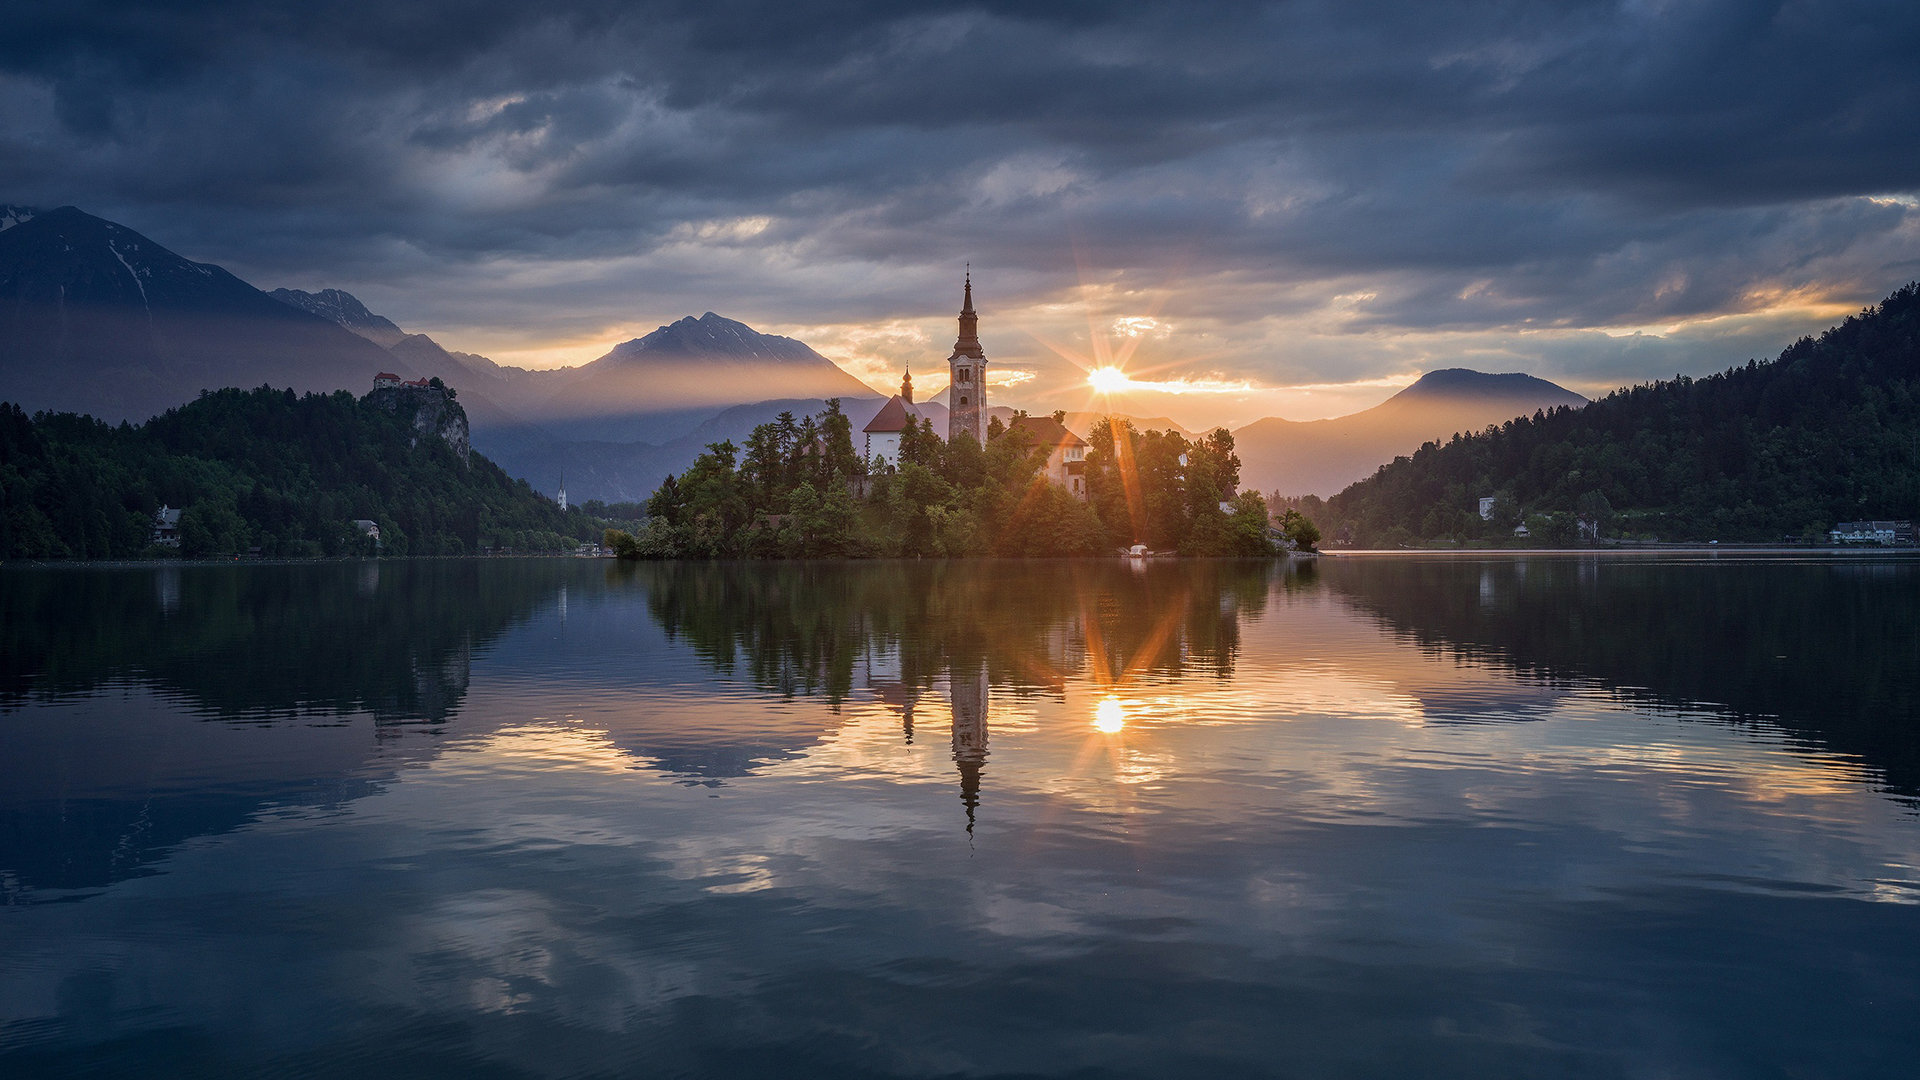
(1320, 457)
(97, 318)
(661, 386)
(1828, 432)
(340, 306)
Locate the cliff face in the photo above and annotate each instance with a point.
(432, 412)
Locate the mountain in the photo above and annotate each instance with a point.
(340, 306)
(1319, 457)
(660, 387)
(616, 427)
(1830, 431)
(97, 318)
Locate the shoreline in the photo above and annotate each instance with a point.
(1861, 551)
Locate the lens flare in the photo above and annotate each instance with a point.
(1108, 380)
(1109, 716)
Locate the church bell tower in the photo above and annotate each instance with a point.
(967, 392)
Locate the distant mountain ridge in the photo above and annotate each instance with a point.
(340, 306)
(1320, 457)
(613, 426)
(97, 318)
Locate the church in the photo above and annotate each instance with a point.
(967, 410)
(967, 393)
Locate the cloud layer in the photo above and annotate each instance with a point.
(1303, 193)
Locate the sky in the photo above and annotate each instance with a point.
(1256, 209)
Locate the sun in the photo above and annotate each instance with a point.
(1108, 380)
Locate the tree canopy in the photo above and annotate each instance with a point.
(263, 469)
(798, 489)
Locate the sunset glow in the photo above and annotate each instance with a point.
(1108, 380)
(1112, 380)
(1109, 716)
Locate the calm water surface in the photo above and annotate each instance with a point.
(1636, 816)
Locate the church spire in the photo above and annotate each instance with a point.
(969, 340)
(906, 386)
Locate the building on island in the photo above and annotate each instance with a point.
(1066, 452)
(967, 392)
(884, 430)
(562, 498)
(386, 380)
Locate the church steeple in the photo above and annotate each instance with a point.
(967, 366)
(906, 386)
(969, 341)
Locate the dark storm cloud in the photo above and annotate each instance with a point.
(1489, 164)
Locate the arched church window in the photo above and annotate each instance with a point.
(963, 401)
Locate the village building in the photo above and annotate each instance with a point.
(1066, 452)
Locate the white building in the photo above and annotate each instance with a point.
(884, 430)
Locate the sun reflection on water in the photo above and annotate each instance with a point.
(1109, 716)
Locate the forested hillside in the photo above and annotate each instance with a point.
(267, 469)
(1828, 432)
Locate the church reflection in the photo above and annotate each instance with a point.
(968, 691)
(900, 634)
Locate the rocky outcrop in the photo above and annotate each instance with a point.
(431, 410)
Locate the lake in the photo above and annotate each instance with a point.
(1647, 815)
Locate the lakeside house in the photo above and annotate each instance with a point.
(166, 526)
(1872, 532)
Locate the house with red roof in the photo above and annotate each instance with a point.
(1066, 452)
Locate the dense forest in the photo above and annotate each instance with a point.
(264, 469)
(1828, 432)
(798, 489)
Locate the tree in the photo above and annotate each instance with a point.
(1299, 530)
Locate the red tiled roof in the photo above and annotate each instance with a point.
(895, 415)
(1045, 431)
(386, 375)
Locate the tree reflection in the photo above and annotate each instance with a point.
(261, 643)
(1828, 649)
(898, 630)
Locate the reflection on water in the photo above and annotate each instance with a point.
(1387, 816)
